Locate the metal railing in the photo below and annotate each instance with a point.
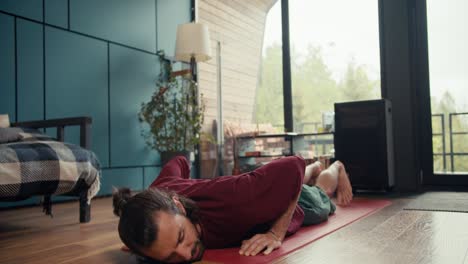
(451, 133)
(442, 134)
(448, 157)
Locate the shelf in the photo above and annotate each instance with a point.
(258, 147)
(316, 134)
(292, 134)
(262, 156)
(268, 135)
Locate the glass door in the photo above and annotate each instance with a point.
(335, 57)
(448, 74)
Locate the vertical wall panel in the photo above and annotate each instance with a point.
(131, 178)
(64, 198)
(26, 8)
(76, 83)
(132, 23)
(56, 12)
(171, 14)
(7, 66)
(30, 201)
(30, 71)
(77, 68)
(132, 77)
(151, 173)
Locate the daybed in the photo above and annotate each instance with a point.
(33, 163)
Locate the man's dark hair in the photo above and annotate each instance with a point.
(137, 228)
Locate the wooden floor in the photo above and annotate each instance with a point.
(388, 236)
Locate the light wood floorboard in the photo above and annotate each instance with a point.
(391, 235)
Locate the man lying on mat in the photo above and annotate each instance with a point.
(177, 217)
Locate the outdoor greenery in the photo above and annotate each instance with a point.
(314, 88)
(445, 106)
(174, 117)
(315, 91)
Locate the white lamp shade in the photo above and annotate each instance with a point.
(193, 39)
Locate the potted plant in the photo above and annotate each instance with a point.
(174, 116)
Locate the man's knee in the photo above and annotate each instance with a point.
(313, 216)
(295, 169)
(181, 160)
(177, 166)
(284, 175)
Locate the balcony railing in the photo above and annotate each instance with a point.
(448, 153)
(451, 133)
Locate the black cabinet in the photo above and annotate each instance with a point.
(364, 143)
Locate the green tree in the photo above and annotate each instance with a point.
(313, 87)
(269, 97)
(314, 90)
(356, 84)
(445, 106)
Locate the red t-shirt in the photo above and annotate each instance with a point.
(233, 206)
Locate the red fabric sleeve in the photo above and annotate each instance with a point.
(176, 168)
(232, 205)
(266, 193)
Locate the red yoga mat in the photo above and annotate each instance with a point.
(343, 216)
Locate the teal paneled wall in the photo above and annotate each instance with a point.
(150, 174)
(169, 15)
(30, 70)
(7, 66)
(31, 9)
(56, 13)
(131, 23)
(95, 58)
(126, 177)
(76, 83)
(128, 147)
(30, 201)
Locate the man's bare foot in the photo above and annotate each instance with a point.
(312, 172)
(344, 191)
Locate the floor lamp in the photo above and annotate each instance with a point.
(193, 45)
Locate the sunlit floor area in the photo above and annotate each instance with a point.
(392, 235)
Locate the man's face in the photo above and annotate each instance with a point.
(178, 240)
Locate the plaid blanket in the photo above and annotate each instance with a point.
(36, 164)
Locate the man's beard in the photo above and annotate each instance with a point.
(198, 247)
(197, 251)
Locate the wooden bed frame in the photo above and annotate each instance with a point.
(85, 142)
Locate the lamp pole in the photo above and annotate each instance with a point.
(193, 69)
(193, 45)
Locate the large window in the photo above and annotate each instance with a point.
(448, 69)
(334, 58)
(269, 95)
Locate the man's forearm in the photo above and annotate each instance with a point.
(273, 239)
(280, 226)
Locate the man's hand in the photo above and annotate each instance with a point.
(272, 240)
(259, 242)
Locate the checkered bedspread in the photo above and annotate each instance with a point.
(39, 165)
